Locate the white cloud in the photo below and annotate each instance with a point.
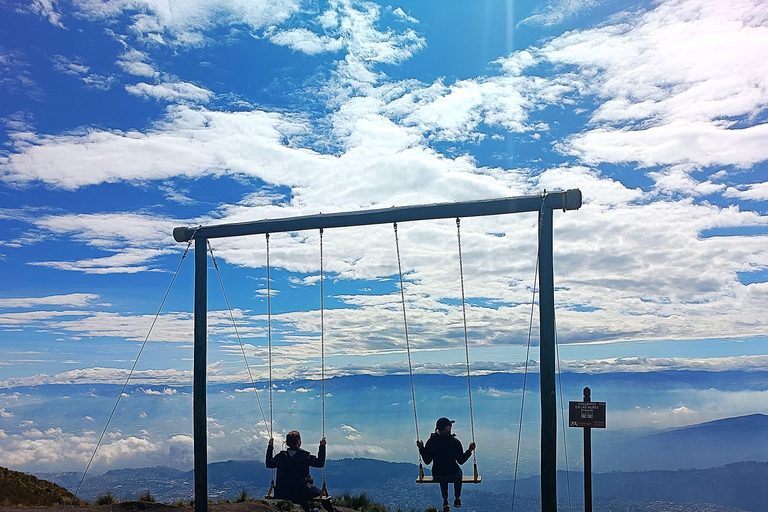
(686, 142)
(303, 40)
(180, 145)
(401, 14)
(134, 62)
(187, 22)
(16, 76)
(47, 9)
(125, 263)
(673, 82)
(165, 391)
(71, 299)
(103, 375)
(559, 11)
(77, 67)
(170, 91)
(753, 191)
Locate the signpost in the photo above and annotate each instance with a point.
(587, 415)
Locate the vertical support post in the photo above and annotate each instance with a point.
(547, 364)
(199, 411)
(587, 459)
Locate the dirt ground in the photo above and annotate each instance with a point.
(140, 506)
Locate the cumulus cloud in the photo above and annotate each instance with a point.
(753, 192)
(674, 88)
(165, 391)
(184, 23)
(352, 434)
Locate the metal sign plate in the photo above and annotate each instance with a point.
(586, 414)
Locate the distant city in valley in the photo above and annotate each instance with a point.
(733, 487)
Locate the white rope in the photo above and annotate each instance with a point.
(407, 341)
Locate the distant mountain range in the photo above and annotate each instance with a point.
(720, 445)
(705, 445)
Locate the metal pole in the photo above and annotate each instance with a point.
(587, 459)
(568, 200)
(547, 365)
(199, 413)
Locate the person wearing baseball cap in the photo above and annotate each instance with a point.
(444, 451)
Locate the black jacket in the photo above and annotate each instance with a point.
(292, 469)
(446, 452)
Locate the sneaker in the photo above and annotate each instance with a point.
(457, 502)
(446, 507)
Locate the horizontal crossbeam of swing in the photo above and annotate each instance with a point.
(567, 200)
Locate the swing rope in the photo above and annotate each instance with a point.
(562, 416)
(408, 345)
(130, 373)
(269, 338)
(466, 342)
(270, 493)
(324, 490)
(525, 381)
(237, 333)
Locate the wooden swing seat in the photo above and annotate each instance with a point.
(469, 479)
(316, 498)
(474, 478)
(271, 496)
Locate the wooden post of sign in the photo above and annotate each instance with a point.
(587, 415)
(587, 459)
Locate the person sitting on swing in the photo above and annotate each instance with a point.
(294, 482)
(445, 449)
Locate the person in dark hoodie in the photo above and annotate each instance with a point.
(444, 451)
(293, 481)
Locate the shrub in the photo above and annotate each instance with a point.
(105, 499)
(243, 496)
(146, 497)
(361, 503)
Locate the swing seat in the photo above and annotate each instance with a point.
(316, 498)
(271, 494)
(466, 479)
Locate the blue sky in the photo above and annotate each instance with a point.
(122, 120)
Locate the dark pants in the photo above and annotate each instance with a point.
(312, 492)
(444, 480)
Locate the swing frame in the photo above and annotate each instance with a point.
(544, 204)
